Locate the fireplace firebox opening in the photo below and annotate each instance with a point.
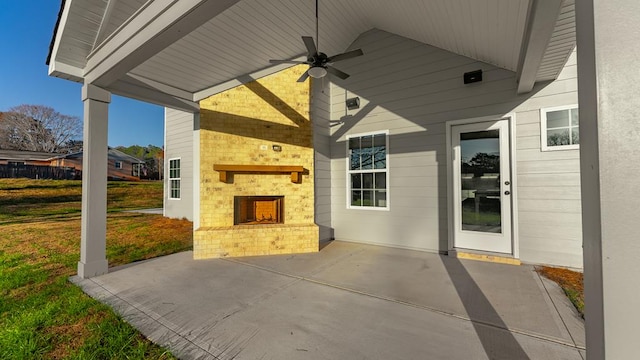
(258, 210)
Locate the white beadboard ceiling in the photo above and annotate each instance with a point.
(243, 38)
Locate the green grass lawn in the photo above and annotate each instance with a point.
(43, 315)
(27, 200)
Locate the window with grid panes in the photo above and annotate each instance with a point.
(560, 128)
(174, 178)
(367, 171)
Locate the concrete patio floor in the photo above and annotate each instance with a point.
(349, 301)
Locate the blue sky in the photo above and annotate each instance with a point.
(26, 28)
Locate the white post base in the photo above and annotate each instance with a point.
(92, 269)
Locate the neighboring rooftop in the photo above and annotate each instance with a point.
(21, 155)
(112, 153)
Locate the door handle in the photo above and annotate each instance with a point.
(507, 192)
(507, 183)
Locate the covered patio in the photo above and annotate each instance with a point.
(349, 301)
(175, 53)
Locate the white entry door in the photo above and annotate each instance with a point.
(482, 186)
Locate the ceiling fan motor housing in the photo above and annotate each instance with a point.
(318, 59)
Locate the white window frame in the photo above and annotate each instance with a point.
(544, 129)
(136, 169)
(171, 179)
(385, 170)
(118, 164)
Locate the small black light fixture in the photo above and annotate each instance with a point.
(276, 148)
(472, 76)
(353, 103)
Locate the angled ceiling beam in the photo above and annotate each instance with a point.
(241, 80)
(104, 23)
(543, 15)
(143, 93)
(154, 27)
(167, 89)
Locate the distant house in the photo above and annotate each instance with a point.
(30, 164)
(33, 165)
(19, 157)
(121, 166)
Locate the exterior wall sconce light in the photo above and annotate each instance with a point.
(353, 103)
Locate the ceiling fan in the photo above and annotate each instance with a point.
(319, 63)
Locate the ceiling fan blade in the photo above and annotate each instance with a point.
(336, 72)
(310, 45)
(304, 76)
(347, 55)
(287, 62)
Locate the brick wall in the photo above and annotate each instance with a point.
(240, 127)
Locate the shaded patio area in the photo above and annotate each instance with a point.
(349, 301)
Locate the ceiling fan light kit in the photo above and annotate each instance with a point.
(319, 63)
(317, 72)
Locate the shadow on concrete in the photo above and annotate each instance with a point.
(498, 343)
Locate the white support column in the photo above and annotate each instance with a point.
(608, 85)
(93, 260)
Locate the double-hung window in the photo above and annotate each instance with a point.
(367, 171)
(174, 178)
(560, 128)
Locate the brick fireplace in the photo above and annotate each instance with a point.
(257, 170)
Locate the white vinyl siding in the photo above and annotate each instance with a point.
(412, 90)
(548, 181)
(174, 178)
(321, 115)
(179, 138)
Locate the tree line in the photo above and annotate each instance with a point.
(39, 128)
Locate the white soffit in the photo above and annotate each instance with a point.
(563, 41)
(78, 32)
(120, 11)
(243, 38)
(81, 29)
(486, 30)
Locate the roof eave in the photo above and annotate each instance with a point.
(64, 71)
(55, 32)
(57, 68)
(55, 38)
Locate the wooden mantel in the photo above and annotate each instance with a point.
(294, 170)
